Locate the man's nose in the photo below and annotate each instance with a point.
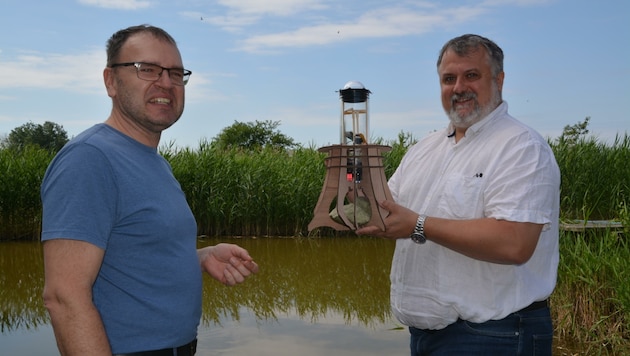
(165, 79)
(460, 85)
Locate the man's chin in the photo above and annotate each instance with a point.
(462, 122)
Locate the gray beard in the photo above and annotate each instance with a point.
(477, 114)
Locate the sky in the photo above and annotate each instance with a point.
(285, 61)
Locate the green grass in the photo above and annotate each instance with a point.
(591, 303)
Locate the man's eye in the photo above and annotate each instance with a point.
(448, 80)
(148, 69)
(472, 75)
(177, 73)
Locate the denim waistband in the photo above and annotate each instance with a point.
(534, 306)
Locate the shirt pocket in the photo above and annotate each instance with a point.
(461, 197)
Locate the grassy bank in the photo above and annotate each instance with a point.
(591, 302)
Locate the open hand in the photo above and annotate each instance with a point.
(227, 263)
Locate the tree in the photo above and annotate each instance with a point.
(253, 136)
(4, 141)
(49, 136)
(572, 133)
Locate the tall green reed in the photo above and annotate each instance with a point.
(20, 207)
(273, 192)
(591, 303)
(595, 177)
(257, 192)
(392, 159)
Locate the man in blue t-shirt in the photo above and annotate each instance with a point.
(123, 275)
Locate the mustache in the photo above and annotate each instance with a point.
(463, 96)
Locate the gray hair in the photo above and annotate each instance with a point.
(469, 43)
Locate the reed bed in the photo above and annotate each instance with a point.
(273, 191)
(591, 302)
(235, 192)
(20, 207)
(595, 177)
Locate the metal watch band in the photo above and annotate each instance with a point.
(418, 233)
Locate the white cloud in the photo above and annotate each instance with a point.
(244, 13)
(517, 2)
(79, 73)
(379, 23)
(200, 89)
(272, 7)
(118, 4)
(73, 72)
(232, 22)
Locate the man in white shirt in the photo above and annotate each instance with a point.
(484, 195)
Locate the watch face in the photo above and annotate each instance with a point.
(418, 238)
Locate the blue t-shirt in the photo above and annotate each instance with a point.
(120, 195)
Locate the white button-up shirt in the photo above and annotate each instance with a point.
(501, 169)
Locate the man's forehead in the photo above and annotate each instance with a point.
(471, 60)
(146, 44)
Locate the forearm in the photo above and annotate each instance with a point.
(486, 239)
(71, 268)
(78, 329)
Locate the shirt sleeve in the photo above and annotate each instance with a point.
(527, 184)
(79, 196)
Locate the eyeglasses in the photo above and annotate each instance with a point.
(152, 72)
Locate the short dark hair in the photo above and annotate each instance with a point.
(118, 39)
(469, 43)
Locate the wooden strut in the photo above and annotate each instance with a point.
(341, 160)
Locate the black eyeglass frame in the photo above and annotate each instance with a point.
(185, 77)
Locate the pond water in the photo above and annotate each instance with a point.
(322, 296)
(327, 296)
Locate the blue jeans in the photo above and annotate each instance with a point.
(520, 333)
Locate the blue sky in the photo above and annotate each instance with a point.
(285, 60)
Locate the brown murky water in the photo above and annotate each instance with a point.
(312, 297)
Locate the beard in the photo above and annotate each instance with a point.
(478, 112)
(133, 107)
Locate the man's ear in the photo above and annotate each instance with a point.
(108, 79)
(499, 80)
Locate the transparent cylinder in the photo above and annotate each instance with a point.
(354, 123)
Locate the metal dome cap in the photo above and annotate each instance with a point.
(354, 92)
(354, 84)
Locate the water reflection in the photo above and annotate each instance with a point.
(311, 297)
(310, 278)
(21, 283)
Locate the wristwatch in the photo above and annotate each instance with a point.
(417, 235)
